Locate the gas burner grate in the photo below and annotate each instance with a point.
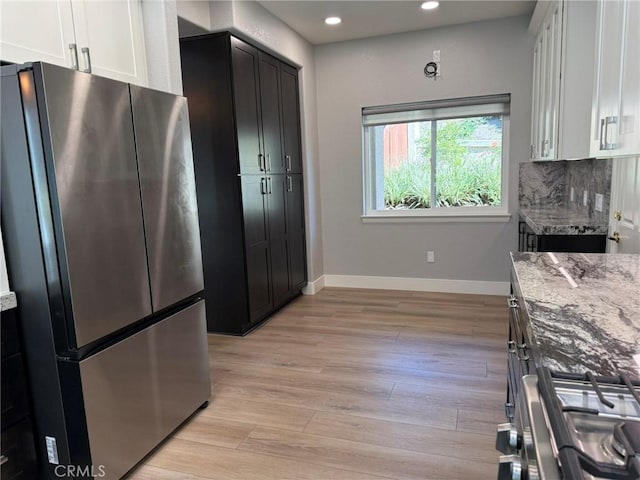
(574, 461)
(596, 383)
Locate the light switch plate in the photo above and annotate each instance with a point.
(599, 202)
(585, 197)
(436, 55)
(573, 194)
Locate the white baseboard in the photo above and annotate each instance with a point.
(314, 287)
(415, 284)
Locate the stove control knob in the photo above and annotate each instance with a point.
(507, 439)
(510, 468)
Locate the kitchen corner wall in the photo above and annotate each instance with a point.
(160, 22)
(481, 58)
(549, 184)
(251, 21)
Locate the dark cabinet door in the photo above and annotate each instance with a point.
(270, 109)
(278, 238)
(246, 95)
(18, 452)
(296, 233)
(290, 119)
(256, 231)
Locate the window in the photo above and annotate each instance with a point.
(433, 159)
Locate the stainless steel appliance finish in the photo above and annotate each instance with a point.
(566, 429)
(534, 453)
(109, 377)
(169, 202)
(139, 390)
(96, 189)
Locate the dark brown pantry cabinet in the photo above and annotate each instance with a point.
(245, 128)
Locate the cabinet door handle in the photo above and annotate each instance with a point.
(609, 121)
(3, 459)
(508, 407)
(289, 184)
(288, 158)
(74, 56)
(263, 187)
(87, 59)
(261, 163)
(268, 162)
(544, 149)
(269, 184)
(522, 354)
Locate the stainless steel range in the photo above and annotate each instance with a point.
(571, 426)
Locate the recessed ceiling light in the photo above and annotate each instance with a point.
(429, 5)
(332, 20)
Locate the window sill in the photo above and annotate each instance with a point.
(395, 217)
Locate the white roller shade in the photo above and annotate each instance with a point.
(436, 110)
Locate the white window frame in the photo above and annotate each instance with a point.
(428, 111)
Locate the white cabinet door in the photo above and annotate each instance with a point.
(38, 30)
(112, 31)
(629, 126)
(625, 206)
(546, 85)
(577, 74)
(552, 31)
(535, 99)
(615, 129)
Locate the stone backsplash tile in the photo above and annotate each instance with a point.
(543, 183)
(549, 184)
(594, 176)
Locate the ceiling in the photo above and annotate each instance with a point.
(370, 18)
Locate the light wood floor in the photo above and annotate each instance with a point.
(351, 384)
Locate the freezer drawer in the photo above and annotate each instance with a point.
(139, 390)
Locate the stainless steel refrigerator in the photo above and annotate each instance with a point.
(100, 222)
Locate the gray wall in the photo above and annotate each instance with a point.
(477, 59)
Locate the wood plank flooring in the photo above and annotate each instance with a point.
(351, 384)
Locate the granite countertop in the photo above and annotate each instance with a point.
(583, 309)
(7, 301)
(558, 220)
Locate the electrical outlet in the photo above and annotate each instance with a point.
(431, 256)
(585, 197)
(436, 55)
(438, 71)
(573, 194)
(599, 202)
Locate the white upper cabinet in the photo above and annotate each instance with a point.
(102, 37)
(546, 84)
(615, 118)
(110, 38)
(31, 31)
(563, 66)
